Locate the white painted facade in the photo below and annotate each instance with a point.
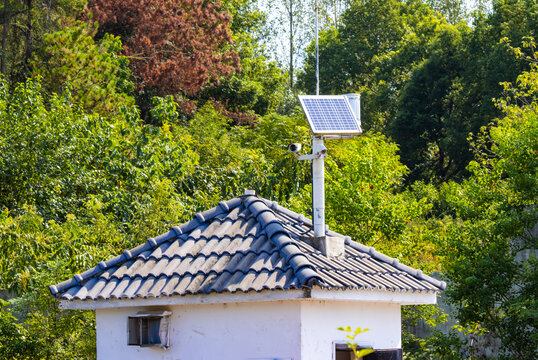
(300, 329)
(321, 318)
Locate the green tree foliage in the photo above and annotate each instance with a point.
(425, 82)
(233, 158)
(365, 200)
(450, 93)
(348, 53)
(369, 28)
(258, 89)
(13, 336)
(24, 24)
(332, 65)
(429, 123)
(369, 210)
(98, 77)
(391, 71)
(56, 157)
(491, 258)
(372, 52)
(95, 186)
(83, 177)
(453, 10)
(34, 254)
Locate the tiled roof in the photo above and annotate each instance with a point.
(244, 244)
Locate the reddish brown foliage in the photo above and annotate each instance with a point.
(238, 117)
(173, 45)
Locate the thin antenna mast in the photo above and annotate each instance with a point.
(318, 168)
(317, 50)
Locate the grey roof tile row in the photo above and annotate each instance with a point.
(244, 244)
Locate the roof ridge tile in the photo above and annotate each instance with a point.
(200, 217)
(278, 208)
(177, 230)
(224, 205)
(303, 268)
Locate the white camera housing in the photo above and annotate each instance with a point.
(294, 148)
(321, 150)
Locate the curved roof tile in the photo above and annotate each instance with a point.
(243, 244)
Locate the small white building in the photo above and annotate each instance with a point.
(246, 280)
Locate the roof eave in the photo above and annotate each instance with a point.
(307, 293)
(380, 296)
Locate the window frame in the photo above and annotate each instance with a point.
(392, 354)
(149, 329)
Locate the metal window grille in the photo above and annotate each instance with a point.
(149, 329)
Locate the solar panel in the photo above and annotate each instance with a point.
(330, 114)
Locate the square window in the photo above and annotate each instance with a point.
(343, 352)
(149, 329)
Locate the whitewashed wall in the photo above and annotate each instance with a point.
(320, 320)
(209, 332)
(298, 330)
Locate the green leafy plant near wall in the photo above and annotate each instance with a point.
(352, 334)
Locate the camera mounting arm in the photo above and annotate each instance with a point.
(319, 151)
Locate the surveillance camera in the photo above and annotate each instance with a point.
(321, 150)
(295, 147)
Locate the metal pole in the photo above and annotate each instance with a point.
(317, 50)
(318, 189)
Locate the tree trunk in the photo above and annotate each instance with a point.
(29, 24)
(5, 21)
(291, 44)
